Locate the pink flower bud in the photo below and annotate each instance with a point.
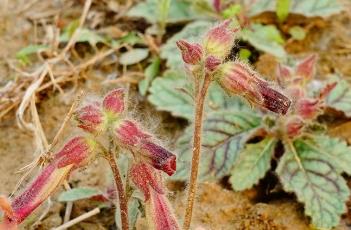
(145, 178)
(133, 138)
(211, 63)
(308, 108)
(90, 118)
(294, 126)
(114, 101)
(217, 5)
(76, 153)
(306, 67)
(239, 79)
(159, 212)
(191, 52)
(219, 40)
(283, 75)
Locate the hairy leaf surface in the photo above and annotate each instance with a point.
(252, 164)
(316, 183)
(340, 97)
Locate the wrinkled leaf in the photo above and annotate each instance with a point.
(150, 73)
(335, 148)
(192, 33)
(282, 9)
(224, 134)
(166, 93)
(179, 10)
(311, 8)
(340, 97)
(265, 38)
(297, 33)
(133, 56)
(315, 182)
(23, 54)
(252, 164)
(78, 194)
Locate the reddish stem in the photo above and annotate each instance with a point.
(199, 110)
(123, 203)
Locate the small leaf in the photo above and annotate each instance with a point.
(340, 97)
(85, 35)
(315, 181)
(23, 54)
(282, 9)
(150, 73)
(265, 38)
(78, 194)
(297, 33)
(179, 10)
(224, 134)
(310, 8)
(133, 56)
(244, 54)
(191, 33)
(335, 148)
(253, 163)
(231, 11)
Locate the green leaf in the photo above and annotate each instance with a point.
(252, 164)
(133, 56)
(231, 11)
(78, 194)
(265, 38)
(166, 93)
(224, 134)
(150, 73)
(282, 9)
(297, 33)
(316, 183)
(340, 97)
(23, 54)
(179, 11)
(335, 148)
(310, 8)
(133, 213)
(244, 54)
(192, 32)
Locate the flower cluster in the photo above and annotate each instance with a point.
(104, 119)
(305, 106)
(235, 77)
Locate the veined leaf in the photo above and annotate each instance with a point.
(310, 8)
(252, 164)
(179, 10)
(192, 33)
(315, 182)
(265, 38)
(224, 134)
(166, 94)
(335, 148)
(133, 56)
(150, 73)
(78, 194)
(340, 97)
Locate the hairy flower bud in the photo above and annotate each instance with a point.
(308, 108)
(90, 118)
(294, 126)
(191, 52)
(132, 137)
(283, 75)
(238, 78)
(144, 177)
(113, 102)
(306, 67)
(211, 63)
(219, 40)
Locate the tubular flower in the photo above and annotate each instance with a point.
(158, 210)
(113, 102)
(191, 53)
(133, 138)
(219, 40)
(76, 153)
(237, 78)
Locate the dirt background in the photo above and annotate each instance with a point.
(217, 206)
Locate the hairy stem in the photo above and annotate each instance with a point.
(199, 110)
(123, 203)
